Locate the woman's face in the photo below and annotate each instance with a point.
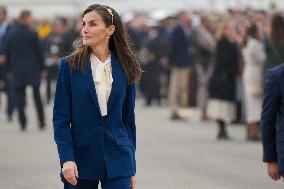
(257, 34)
(229, 32)
(94, 30)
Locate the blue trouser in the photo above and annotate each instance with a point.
(117, 183)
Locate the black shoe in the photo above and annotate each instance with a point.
(42, 126)
(23, 128)
(175, 116)
(147, 104)
(223, 136)
(9, 118)
(252, 137)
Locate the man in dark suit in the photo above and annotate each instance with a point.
(181, 62)
(5, 80)
(25, 63)
(272, 122)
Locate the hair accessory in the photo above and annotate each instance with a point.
(110, 12)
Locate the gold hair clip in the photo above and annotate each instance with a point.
(110, 12)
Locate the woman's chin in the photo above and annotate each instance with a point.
(85, 43)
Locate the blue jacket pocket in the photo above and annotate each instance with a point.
(123, 141)
(81, 142)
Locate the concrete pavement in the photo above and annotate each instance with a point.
(170, 155)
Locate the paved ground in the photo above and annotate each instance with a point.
(170, 155)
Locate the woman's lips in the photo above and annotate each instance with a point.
(86, 37)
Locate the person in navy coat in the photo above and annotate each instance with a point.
(25, 63)
(272, 122)
(93, 114)
(5, 78)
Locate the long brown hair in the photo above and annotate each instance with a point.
(119, 44)
(220, 32)
(277, 29)
(251, 31)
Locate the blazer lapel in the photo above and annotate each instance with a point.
(115, 76)
(88, 79)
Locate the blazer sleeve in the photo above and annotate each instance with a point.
(270, 108)
(128, 114)
(62, 114)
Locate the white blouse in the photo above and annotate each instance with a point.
(102, 78)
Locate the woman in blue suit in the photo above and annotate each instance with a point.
(93, 115)
(272, 122)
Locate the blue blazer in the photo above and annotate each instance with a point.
(272, 117)
(100, 146)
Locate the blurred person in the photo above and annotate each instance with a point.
(53, 46)
(206, 45)
(168, 24)
(181, 62)
(222, 85)
(93, 114)
(275, 42)
(254, 60)
(261, 19)
(156, 50)
(272, 129)
(25, 62)
(71, 37)
(240, 35)
(43, 29)
(135, 30)
(5, 26)
(166, 27)
(5, 78)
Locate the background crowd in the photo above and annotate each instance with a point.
(213, 61)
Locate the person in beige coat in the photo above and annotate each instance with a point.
(254, 57)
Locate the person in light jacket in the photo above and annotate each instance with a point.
(254, 59)
(93, 114)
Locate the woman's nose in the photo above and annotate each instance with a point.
(85, 30)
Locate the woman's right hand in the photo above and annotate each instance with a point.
(70, 172)
(272, 170)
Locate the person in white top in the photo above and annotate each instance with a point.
(103, 80)
(254, 57)
(93, 114)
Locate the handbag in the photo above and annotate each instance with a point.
(255, 90)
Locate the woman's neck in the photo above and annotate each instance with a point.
(101, 53)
